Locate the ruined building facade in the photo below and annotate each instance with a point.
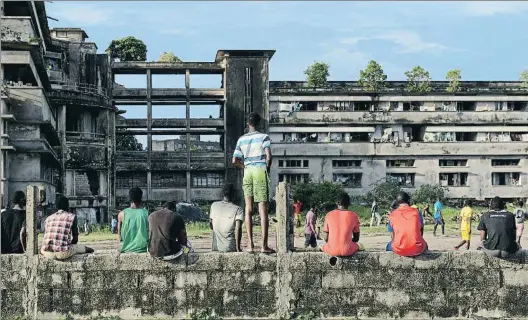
(473, 142)
(61, 123)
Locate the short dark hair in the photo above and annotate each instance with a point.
(253, 119)
(229, 191)
(497, 203)
(403, 197)
(170, 205)
(62, 203)
(520, 203)
(19, 198)
(468, 203)
(135, 194)
(344, 199)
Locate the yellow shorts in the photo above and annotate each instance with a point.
(466, 234)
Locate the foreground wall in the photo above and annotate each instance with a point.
(368, 285)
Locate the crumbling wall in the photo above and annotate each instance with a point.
(367, 285)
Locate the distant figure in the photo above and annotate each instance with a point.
(86, 226)
(226, 222)
(438, 218)
(498, 231)
(309, 229)
(114, 224)
(406, 228)
(341, 230)
(167, 234)
(12, 222)
(375, 214)
(521, 215)
(132, 224)
(297, 207)
(465, 225)
(59, 228)
(253, 154)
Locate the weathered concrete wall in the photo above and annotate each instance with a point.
(368, 285)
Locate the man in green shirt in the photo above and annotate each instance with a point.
(132, 224)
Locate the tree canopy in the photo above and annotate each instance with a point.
(524, 78)
(127, 142)
(372, 79)
(168, 57)
(319, 195)
(317, 74)
(127, 49)
(428, 193)
(453, 76)
(419, 80)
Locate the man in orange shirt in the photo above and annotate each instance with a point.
(297, 206)
(341, 230)
(406, 228)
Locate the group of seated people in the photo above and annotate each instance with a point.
(163, 235)
(497, 229)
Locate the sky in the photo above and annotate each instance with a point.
(485, 40)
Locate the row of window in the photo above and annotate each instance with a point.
(169, 179)
(396, 163)
(451, 179)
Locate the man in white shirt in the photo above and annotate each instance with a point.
(226, 222)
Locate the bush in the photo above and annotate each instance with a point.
(428, 193)
(319, 195)
(384, 194)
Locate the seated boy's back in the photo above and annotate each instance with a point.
(133, 226)
(341, 230)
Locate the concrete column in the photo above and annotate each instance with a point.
(188, 135)
(32, 201)
(149, 135)
(285, 232)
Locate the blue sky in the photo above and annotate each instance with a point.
(486, 40)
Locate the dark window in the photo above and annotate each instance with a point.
(505, 162)
(400, 163)
(248, 90)
(452, 163)
(293, 163)
(294, 178)
(454, 179)
(402, 179)
(346, 163)
(208, 180)
(168, 179)
(506, 179)
(351, 180)
(131, 179)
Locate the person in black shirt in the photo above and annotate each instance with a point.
(13, 221)
(167, 234)
(498, 230)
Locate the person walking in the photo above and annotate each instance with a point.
(521, 215)
(438, 218)
(465, 225)
(375, 214)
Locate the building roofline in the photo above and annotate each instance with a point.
(220, 54)
(85, 35)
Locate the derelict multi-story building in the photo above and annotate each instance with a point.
(474, 142)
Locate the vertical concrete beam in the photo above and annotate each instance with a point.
(188, 135)
(61, 122)
(285, 232)
(149, 134)
(32, 201)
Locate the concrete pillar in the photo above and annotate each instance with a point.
(149, 135)
(61, 123)
(188, 135)
(284, 213)
(32, 202)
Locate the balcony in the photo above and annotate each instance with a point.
(139, 67)
(399, 117)
(85, 137)
(74, 93)
(17, 30)
(169, 93)
(170, 123)
(30, 105)
(369, 149)
(34, 146)
(169, 160)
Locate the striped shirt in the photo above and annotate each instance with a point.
(251, 149)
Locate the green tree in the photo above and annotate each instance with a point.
(428, 193)
(454, 80)
(168, 57)
(127, 142)
(372, 79)
(524, 78)
(318, 195)
(317, 74)
(384, 193)
(418, 80)
(127, 49)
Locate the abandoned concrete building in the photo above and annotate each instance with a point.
(62, 114)
(473, 142)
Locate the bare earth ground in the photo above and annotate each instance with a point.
(375, 242)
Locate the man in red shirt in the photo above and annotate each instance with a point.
(297, 206)
(341, 230)
(406, 228)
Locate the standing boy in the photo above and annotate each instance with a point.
(520, 215)
(438, 218)
(465, 225)
(309, 229)
(253, 155)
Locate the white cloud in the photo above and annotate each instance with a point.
(492, 8)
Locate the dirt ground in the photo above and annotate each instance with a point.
(371, 242)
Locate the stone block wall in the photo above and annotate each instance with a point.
(286, 285)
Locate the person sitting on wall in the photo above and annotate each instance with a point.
(61, 233)
(341, 230)
(167, 234)
(132, 224)
(498, 231)
(226, 222)
(406, 229)
(12, 222)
